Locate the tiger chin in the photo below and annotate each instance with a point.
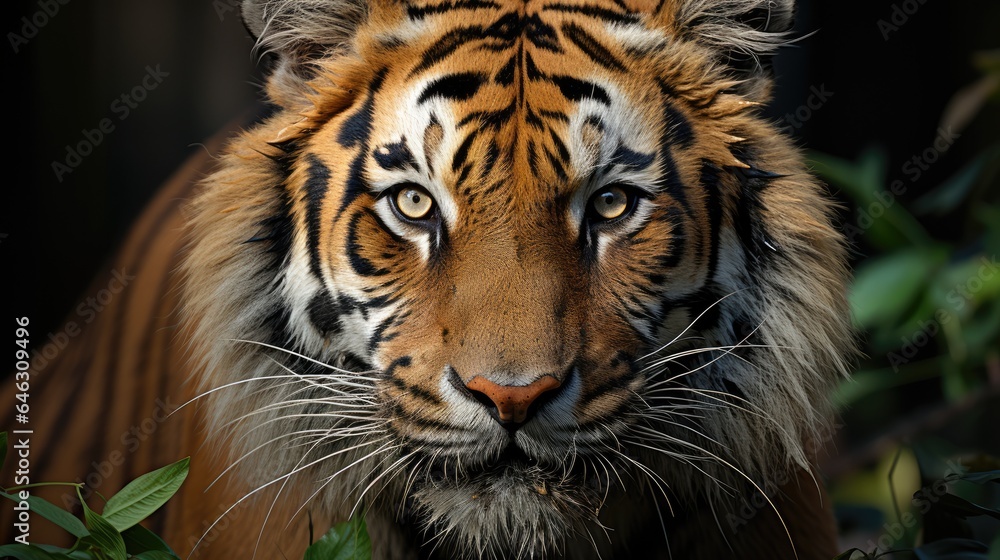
(523, 279)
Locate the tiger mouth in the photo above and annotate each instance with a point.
(511, 460)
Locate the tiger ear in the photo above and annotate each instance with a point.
(299, 32)
(745, 34)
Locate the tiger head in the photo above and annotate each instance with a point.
(492, 265)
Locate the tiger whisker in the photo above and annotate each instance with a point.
(243, 382)
(277, 495)
(691, 324)
(301, 356)
(738, 471)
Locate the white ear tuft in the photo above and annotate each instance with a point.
(745, 33)
(298, 32)
(302, 26)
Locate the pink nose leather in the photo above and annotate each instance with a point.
(513, 401)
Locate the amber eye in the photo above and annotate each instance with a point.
(414, 202)
(611, 202)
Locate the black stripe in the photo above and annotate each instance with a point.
(504, 31)
(532, 71)
(592, 11)
(576, 90)
(357, 127)
(713, 202)
(505, 76)
(379, 334)
(462, 153)
(463, 176)
(455, 87)
(632, 159)
(678, 240)
(758, 246)
(355, 132)
(397, 411)
(679, 130)
(541, 34)
(324, 314)
(396, 155)
(418, 12)
(556, 116)
(614, 384)
(591, 47)
(490, 119)
(359, 264)
(412, 390)
(492, 156)
(317, 184)
(704, 302)
(532, 158)
(446, 45)
(533, 119)
(560, 146)
(670, 180)
(557, 165)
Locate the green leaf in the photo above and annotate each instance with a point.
(28, 552)
(144, 495)
(960, 507)
(344, 541)
(53, 513)
(884, 221)
(950, 194)
(103, 536)
(139, 539)
(65, 553)
(952, 549)
(980, 477)
(860, 180)
(885, 287)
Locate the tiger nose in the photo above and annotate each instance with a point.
(512, 402)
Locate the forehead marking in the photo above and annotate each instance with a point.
(454, 87)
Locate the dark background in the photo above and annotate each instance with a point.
(64, 80)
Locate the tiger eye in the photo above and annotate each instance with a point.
(414, 202)
(610, 202)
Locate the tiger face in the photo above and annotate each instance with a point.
(494, 265)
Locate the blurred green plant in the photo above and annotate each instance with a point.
(927, 302)
(929, 307)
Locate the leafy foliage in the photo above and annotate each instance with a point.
(926, 297)
(344, 541)
(113, 534)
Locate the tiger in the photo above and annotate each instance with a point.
(520, 279)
